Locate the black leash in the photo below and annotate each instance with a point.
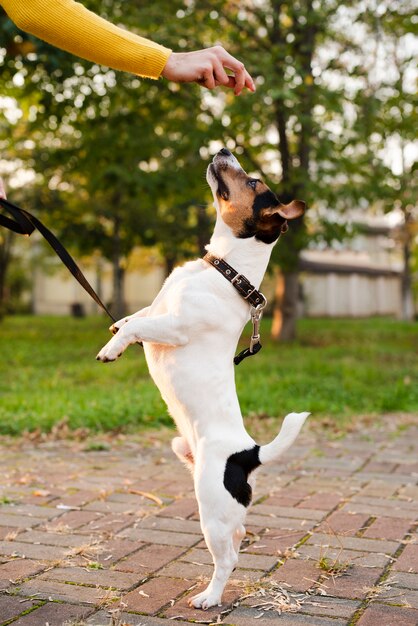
(24, 223)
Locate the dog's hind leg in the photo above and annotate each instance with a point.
(220, 541)
(221, 519)
(183, 451)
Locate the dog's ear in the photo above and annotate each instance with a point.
(290, 211)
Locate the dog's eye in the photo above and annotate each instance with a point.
(252, 183)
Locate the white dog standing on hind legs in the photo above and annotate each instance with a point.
(190, 333)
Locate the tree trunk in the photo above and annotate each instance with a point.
(295, 178)
(285, 308)
(203, 229)
(407, 312)
(118, 307)
(169, 263)
(5, 258)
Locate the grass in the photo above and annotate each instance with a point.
(336, 369)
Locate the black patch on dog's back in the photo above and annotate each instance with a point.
(237, 469)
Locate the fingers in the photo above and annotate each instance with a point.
(208, 79)
(221, 77)
(207, 67)
(242, 77)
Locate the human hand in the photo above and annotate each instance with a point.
(2, 190)
(206, 67)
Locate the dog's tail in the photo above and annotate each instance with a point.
(289, 431)
(240, 465)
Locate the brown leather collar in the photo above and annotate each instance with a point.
(245, 289)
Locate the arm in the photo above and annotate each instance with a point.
(69, 25)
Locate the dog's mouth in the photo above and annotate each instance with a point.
(222, 161)
(214, 175)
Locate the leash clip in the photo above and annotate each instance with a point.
(256, 315)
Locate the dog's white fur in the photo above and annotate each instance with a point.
(190, 333)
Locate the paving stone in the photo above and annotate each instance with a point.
(288, 496)
(73, 519)
(27, 550)
(173, 525)
(70, 540)
(388, 616)
(8, 532)
(163, 537)
(251, 617)
(344, 523)
(149, 559)
(408, 560)
(53, 614)
(287, 511)
(379, 466)
(154, 594)
(103, 618)
(399, 596)
(322, 501)
(397, 480)
(107, 523)
(257, 561)
(111, 551)
(191, 571)
(265, 521)
(198, 555)
(104, 506)
(30, 510)
(86, 576)
(18, 568)
(275, 543)
(393, 503)
(298, 573)
(47, 589)
(353, 543)
(403, 579)
(19, 521)
(410, 492)
(350, 557)
(330, 607)
(356, 582)
(12, 606)
(181, 509)
(379, 511)
(379, 489)
(390, 528)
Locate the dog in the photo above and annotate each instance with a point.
(190, 333)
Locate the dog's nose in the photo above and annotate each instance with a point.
(225, 152)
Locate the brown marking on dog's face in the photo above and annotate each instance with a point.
(247, 205)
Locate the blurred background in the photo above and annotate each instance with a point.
(115, 166)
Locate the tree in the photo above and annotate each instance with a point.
(123, 156)
(117, 170)
(317, 127)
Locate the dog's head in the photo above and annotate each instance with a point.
(246, 204)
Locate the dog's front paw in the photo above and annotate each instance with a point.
(112, 350)
(205, 600)
(118, 325)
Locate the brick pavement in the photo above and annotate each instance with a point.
(112, 537)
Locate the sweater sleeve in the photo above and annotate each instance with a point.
(69, 25)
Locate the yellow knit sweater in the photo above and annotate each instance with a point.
(69, 25)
